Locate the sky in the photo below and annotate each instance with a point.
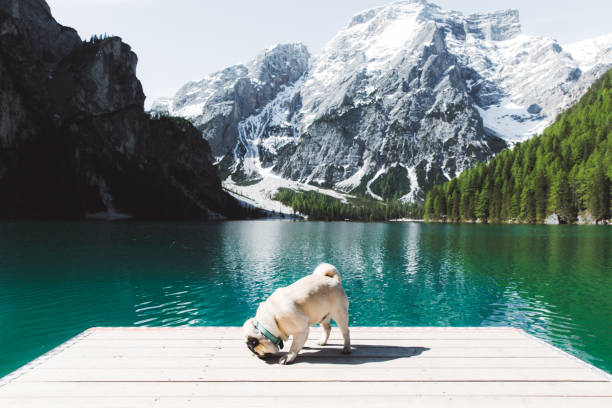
(182, 40)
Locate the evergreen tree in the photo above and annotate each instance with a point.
(599, 194)
(561, 201)
(482, 206)
(528, 205)
(541, 195)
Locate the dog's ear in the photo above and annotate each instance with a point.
(249, 326)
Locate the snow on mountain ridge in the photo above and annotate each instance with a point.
(499, 25)
(589, 53)
(257, 70)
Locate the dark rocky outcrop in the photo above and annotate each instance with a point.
(74, 137)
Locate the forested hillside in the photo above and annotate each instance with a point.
(319, 206)
(566, 171)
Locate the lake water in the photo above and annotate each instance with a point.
(58, 279)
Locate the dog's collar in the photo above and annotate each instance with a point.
(275, 340)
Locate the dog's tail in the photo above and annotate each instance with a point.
(326, 269)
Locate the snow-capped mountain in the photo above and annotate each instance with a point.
(218, 103)
(408, 85)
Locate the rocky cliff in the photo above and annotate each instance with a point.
(407, 94)
(74, 137)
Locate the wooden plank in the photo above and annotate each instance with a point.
(309, 401)
(289, 389)
(356, 333)
(275, 372)
(332, 351)
(211, 343)
(305, 362)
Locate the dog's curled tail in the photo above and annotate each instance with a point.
(326, 269)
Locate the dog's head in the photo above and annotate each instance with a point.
(259, 344)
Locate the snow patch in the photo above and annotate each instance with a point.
(377, 175)
(511, 121)
(354, 181)
(261, 194)
(190, 111)
(411, 197)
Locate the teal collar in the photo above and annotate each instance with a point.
(275, 340)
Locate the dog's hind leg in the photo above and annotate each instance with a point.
(326, 326)
(341, 317)
(296, 345)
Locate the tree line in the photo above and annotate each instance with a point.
(318, 206)
(566, 171)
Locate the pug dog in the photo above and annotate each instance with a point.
(290, 311)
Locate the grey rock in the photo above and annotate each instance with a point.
(534, 109)
(553, 219)
(586, 219)
(574, 75)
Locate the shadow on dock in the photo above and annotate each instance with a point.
(360, 354)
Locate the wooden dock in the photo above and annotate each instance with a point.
(212, 367)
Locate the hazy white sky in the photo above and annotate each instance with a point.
(181, 40)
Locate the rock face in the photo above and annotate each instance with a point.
(409, 85)
(74, 137)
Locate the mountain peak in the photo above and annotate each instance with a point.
(496, 25)
(285, 47)
(391, 11)
(278, 59)
(279, 63)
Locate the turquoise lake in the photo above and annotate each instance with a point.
(58, 279)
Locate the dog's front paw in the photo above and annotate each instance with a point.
(286, 359)
(346, 350)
